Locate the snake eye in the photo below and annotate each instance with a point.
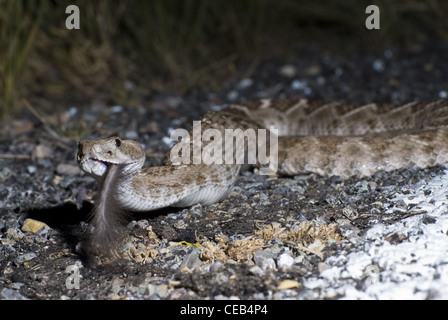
(118, 142)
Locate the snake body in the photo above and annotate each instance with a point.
(329, 139)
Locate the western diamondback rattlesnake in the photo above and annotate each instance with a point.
(314, 137)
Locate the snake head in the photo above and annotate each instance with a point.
(95, 156)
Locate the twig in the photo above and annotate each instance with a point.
(46, 124)
(300, 247)
(14, 156)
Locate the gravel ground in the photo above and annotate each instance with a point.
(305, 237)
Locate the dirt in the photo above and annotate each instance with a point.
(164, 255)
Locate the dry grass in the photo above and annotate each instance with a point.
(17, 35)
(307, 237)
(126, 50)
(142, 251)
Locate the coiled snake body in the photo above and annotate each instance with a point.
(314, 137)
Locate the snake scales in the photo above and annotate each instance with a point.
(314, 137)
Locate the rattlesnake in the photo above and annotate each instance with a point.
(314, 137)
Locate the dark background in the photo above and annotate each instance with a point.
(126, 51)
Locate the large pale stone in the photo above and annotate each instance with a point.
(31, 225)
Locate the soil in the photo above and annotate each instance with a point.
(165, 255)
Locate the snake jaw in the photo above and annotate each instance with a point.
(98, 167)
(103, 162)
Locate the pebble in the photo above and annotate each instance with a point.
(232, 95)
(196, 210)
(256, 271)
(285, 260)
(31, 169)
(11, 294)
(265, 259)
(25, 257)
(245, 83)
(192, 260)
(298, 85)
(362, 187)
(322, 266)
(160, 290)
(116, 109)
(71, 112)
(14, 233)
(216, 265)
(338, 72)
(288, 70)
(5, 174)
(41, 151)
(221, 278)
(67, 169)
(33, 226)
(143, 223)
(313, 70)
(288, 284)
(180, 225)
(378, 65)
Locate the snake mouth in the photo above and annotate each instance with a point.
(104, 163)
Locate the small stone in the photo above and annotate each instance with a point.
(116, 109)
(180, 225)
(362, 187)
(299, 259)
(33, 226)
(31, 169)
(42, 151)
(428, 220)
(5, 174)
(265, 259)
(378, 65)
(288, 70)
(401, 204)
(216, 265)
(14, 234)
(11, 294)
(192, 260)
(67, 169)
(11, 223)
(57, 180)
(298, 85)
(17, 285)
(158, 290)
(288, 284)
(221, 278)
(245, 83)
(313, 70)
(24, 258)
(285, 260)
(322, 266)
(256, 271)
(196, 210)
(396, 238)
(232, 95)
(143, 223)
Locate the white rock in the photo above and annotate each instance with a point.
(288, 70)
(285, 260)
